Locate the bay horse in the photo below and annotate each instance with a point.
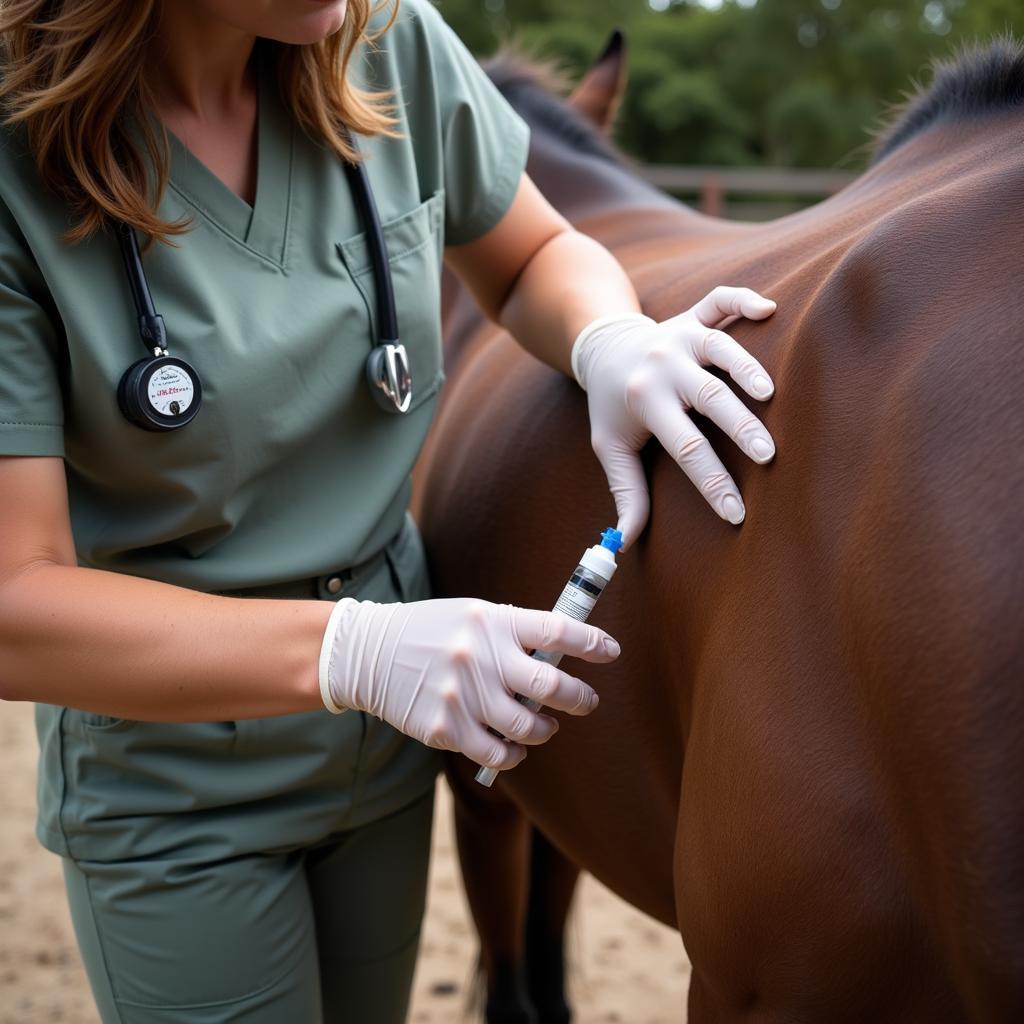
(810, 756)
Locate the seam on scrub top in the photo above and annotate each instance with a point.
(288, 200)
(405, 218)
(210, 219)
(27, 423)
(432, 388)
(394, 257)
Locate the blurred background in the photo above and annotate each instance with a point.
(723, 95)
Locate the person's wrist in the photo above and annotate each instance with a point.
(594, 330)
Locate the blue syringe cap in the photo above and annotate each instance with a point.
(612, 540)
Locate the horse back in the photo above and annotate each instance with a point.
(811, 742)
(857, 713)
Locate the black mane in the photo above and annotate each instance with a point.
(536, 88)
(979, 81)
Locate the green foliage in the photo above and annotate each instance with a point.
(781, 82)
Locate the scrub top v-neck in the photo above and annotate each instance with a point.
(263, 226)
(290, 469)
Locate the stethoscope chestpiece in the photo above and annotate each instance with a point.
(160, 393)
(387, 372)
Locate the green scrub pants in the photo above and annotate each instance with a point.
(270, 871)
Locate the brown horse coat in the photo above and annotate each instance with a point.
(810, 756)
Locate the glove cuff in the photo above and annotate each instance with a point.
(326, 650)
(588, 332)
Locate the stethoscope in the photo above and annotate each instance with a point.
(163, 392)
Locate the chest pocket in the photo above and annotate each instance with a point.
(414, 243)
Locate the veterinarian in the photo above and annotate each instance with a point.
(206, 397)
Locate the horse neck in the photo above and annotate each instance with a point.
(600, 196)
(674, 254)
(594, 191)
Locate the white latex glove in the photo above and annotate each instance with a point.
(642, 378)
(442, 671)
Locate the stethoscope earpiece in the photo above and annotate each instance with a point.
(161, 392)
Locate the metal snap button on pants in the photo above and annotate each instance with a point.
(264, 871)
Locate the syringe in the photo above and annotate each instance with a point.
(588, 580)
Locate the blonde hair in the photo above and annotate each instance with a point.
(71, 71)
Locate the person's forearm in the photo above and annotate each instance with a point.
(134, 648)
(570, 281)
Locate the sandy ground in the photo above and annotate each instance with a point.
(627, 968)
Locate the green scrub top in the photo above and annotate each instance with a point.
(290, 469)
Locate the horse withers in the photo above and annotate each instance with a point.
(810, 756)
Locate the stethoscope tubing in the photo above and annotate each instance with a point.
(151, 324)
(384, 360)
(362, 196)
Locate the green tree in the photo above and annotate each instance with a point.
(785, 82)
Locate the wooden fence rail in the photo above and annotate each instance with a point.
(712, 184)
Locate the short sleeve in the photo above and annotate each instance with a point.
(485, 142)
(31, 406)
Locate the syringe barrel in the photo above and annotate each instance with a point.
(577, 600)
(580, 594)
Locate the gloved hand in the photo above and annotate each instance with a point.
(443, 670)
(642, 377)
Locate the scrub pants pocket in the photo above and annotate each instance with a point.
(326, 935)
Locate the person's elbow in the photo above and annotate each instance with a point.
(14, 684)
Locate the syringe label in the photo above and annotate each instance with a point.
(584, 584)
(575, 603)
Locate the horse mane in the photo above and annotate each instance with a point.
(516, 64)
(979, 80)
(538, 87)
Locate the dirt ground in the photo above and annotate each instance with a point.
(626, 967)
